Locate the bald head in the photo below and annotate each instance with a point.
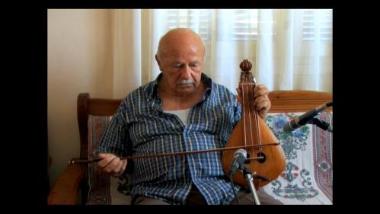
(179, 38)
(180, 57)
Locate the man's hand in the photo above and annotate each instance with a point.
(112, 164)
(261, 103)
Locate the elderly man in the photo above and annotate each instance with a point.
(182, 110)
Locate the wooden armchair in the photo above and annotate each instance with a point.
(72, 186)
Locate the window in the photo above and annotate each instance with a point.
(317, 23)
(244, 27)
(314, 23)
(197, 20)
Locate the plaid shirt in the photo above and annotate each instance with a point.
(141, 127)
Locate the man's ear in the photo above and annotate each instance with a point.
(158, 62)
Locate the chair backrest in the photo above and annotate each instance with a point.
(86, 108)
(297, 100)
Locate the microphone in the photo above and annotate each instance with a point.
(322, 124)
(305, 118)
(240, 156)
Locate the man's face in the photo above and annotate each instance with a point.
(182, 67)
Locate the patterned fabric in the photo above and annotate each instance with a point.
(307, 178)
(141, 126)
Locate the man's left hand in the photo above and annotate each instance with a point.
(262, 103)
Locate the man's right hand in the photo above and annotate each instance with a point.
(112, 164)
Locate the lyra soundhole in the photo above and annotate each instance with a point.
(261, 157)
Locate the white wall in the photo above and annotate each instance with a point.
(79, 60)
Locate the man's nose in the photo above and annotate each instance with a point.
(186, 72)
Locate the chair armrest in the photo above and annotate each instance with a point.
(67, 186)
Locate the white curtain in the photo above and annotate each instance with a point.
(289, 48)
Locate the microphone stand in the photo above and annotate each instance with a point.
(238, 164)
(249, 178)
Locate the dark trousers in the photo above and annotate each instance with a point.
(196, 198)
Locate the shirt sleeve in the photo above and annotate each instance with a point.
(236, 111)
(115, 139)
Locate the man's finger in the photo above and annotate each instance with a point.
(118, 169)
(262, 114)
(106, 159)
(260, 90)
(109, 164)
(260, 102)
(125, 162)
(262, 106)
